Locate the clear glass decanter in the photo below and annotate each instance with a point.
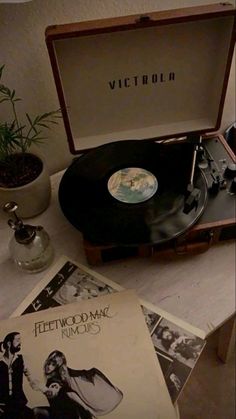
(30, 247)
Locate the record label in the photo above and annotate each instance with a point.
(132, 185)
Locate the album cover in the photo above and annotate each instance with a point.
(177, 344)
(82, 361)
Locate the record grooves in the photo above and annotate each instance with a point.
(87, 203)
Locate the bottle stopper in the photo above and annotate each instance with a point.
(24, 233)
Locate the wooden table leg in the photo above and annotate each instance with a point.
(226, 340)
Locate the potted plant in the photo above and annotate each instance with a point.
(23, 175)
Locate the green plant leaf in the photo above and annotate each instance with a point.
(16, 137)
(5, 90)
(3, 99)
(19, 130)
(39, 140)
(40, 124)
(49, 121)
(31, 123)
(1, 70)
(43, 116)
(35, 135)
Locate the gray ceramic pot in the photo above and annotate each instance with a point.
(32, 198)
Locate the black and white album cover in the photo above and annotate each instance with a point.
(178, 351)
(69, 282)
(82, 361)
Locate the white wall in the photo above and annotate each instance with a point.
(28, 70)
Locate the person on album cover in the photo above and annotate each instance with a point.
(13, 402)
(88, 393)
(174, 385)
(64, 403)
(175, 382)
(80, 287)
(174, 343)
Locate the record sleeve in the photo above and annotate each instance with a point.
(69, 281)
(84, 360)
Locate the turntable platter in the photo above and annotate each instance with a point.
(131, 192)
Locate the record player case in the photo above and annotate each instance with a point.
(155, 76)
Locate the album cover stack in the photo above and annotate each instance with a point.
(84, 360)
(177, 344)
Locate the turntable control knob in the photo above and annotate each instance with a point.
(232, 188)
(230, 171)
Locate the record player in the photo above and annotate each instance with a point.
(142, 98)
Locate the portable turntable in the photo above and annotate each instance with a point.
(142, 97)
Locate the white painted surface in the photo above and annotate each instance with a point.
(28, 69)
(199, 289)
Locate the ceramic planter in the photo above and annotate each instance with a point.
(32, 198)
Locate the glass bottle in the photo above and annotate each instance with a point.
(30, 247)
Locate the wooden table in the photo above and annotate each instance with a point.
(197, 288)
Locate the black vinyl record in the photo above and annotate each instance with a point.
(146, 208)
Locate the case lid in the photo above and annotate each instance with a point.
(154, 76)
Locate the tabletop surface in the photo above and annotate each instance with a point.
(200, 288)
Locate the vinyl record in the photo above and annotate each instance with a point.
(131, 192)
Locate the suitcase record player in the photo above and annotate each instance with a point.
(142, 98)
